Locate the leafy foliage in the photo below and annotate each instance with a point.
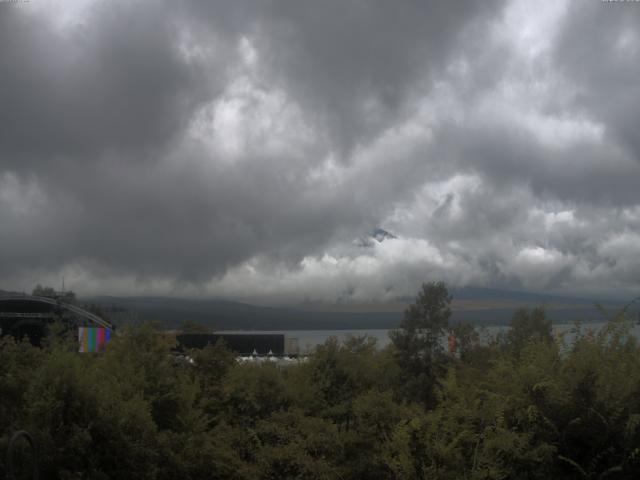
(524, 406)
(418, 348)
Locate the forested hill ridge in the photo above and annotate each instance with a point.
(479, 306)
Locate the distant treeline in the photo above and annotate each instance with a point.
(525, 406)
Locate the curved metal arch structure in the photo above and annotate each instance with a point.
(58, 304)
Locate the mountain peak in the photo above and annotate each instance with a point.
(381, 235)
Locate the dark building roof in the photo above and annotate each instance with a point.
(30, 316)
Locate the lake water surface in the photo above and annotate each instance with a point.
(309, 339)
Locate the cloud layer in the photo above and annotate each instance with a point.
(238, 149)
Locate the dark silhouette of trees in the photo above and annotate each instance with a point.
(524, 407)
(528, 326)
(418, 342)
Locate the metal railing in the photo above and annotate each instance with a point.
(67, 306)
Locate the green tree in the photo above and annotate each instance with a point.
(253, 392)
(467, 341)
(367, 443)
(210, 366)
(336, 374)
(296, 446)
(85, 424)
(528, 326)
(418, 342)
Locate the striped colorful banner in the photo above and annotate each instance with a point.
(93, 339)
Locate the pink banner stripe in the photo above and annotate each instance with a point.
(99, 339)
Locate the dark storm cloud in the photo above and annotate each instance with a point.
(242, 146)
(586, 171)
(95, 116)
(356, 64)
(115, 83)
(598, 50)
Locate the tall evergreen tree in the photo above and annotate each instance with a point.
(418, 343)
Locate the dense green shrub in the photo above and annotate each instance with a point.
(525, 406)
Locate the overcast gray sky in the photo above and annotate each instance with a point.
(241, 148)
